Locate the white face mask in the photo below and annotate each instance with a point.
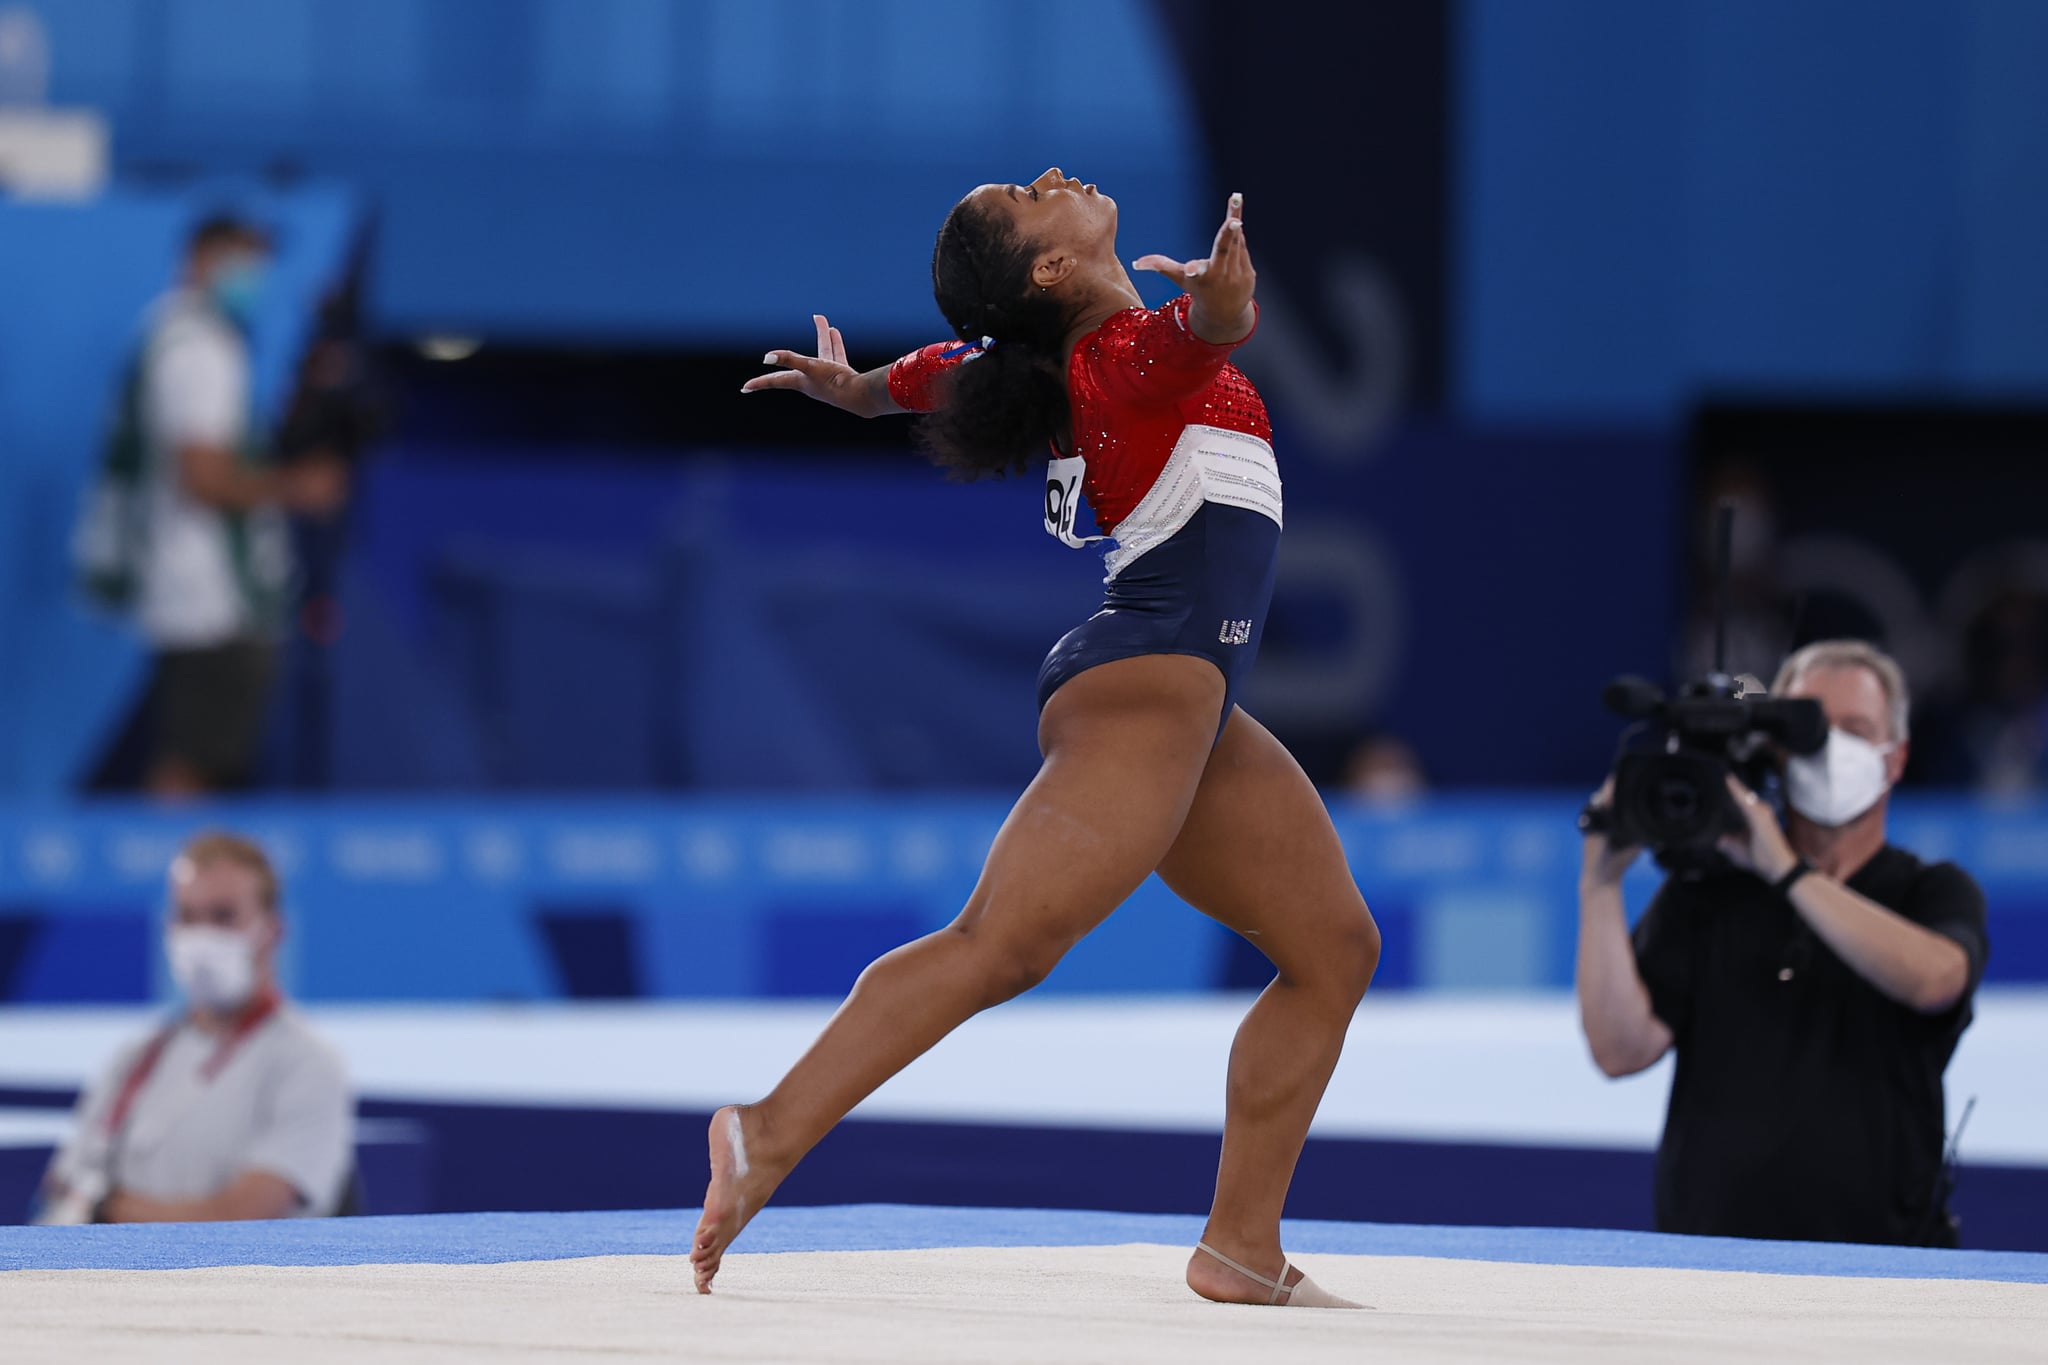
(1842, 781)
(215, 968)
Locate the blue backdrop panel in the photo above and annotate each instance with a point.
(1468, 590)
(799, 623)
(1738, 194)
(506, 901)
(84, 958)
(760, 624)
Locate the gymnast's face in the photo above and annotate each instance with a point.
(1070, 222)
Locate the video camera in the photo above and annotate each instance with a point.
(1670, 781)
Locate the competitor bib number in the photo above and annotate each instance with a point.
(1063, 480)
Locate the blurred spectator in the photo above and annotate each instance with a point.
(185, 531)
(1813, 989)
(1384, 771)
(235, 1109)
(339, 410)
(1759, 625)
(2003, 726)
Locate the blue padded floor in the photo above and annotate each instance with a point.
(477, 1238)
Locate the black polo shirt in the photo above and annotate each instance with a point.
(1806, 1104)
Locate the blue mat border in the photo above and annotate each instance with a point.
(484, 1238)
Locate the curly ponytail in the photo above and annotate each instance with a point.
(1007, 403)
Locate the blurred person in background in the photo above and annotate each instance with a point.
(1384, 771)
(339, 411)
(1759, 623)
(185, 532)
(1999, 738)
(1813, 989)
(235, 1109)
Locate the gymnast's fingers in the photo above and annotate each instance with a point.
(781, 379)
(1240, 259)
(1223, 255)
(838, 347)
(824, 336)
(1180, 272)
(1230, 237)
(796, 360)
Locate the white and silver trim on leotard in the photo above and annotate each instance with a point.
(1208, 464)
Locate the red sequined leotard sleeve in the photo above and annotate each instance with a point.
(1138, 385)
(914, 381)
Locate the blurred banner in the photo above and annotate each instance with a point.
(736, 899)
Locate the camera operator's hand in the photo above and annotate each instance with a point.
(1766, 851)
(1604, 864)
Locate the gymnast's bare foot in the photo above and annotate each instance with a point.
(742, 1178)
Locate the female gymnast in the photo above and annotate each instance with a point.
(1149, 764)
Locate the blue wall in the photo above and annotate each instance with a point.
(1661, 200)
(524, 901)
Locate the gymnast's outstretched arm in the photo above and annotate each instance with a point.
(828, 378)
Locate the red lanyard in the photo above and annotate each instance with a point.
(259, 1010)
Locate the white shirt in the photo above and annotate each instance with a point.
(196, 391)
(280, 1104)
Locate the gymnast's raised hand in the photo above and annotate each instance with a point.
(1221, 286)
(827, 377)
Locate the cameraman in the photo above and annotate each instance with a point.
(1814, 990)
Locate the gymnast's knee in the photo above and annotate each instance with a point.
(1369, 945)
(1007, 967)
(1346, 961)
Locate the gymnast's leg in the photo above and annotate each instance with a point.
(1259, 854)
(1125, 746)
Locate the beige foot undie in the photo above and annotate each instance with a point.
(1303, 1293)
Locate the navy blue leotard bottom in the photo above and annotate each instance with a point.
(1204, 591)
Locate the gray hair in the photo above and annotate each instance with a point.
(1824, 654)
